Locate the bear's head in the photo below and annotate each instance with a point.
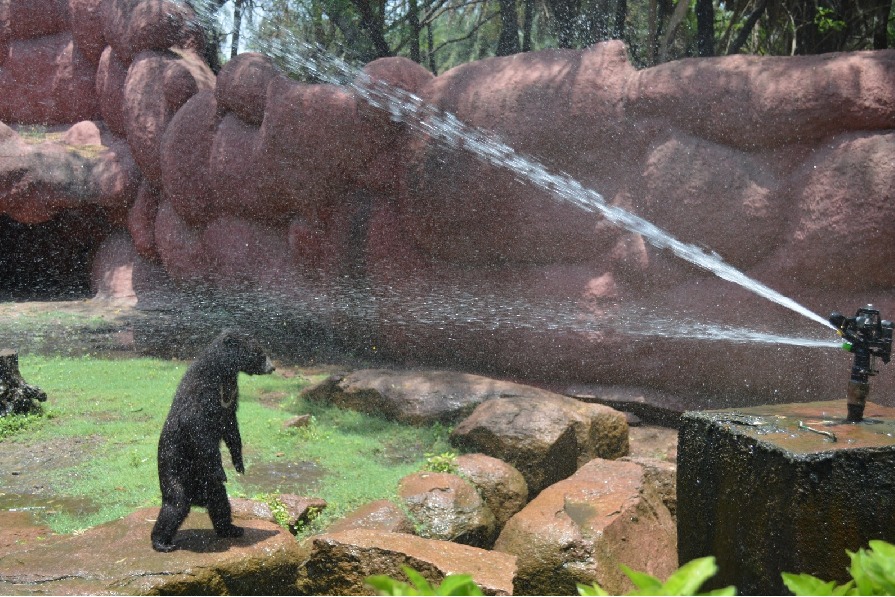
(242, 352)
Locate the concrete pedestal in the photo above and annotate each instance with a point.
(784, 488)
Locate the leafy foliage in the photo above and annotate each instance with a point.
(453, 584)
(12, 424)
(686, 580)
(446, 462)
(872, 571)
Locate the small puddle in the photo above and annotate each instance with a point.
(283, 477)
(40, 506)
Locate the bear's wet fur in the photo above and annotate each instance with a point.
(203, 413)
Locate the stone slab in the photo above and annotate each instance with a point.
(784, 488)
(117, 558)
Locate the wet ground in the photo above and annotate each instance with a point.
(81, 327)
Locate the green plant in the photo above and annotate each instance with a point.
(453, 584)
(872, 571)
(12, 424)
(686, 580)
(446, 462)
(277, 508)
(826, 20)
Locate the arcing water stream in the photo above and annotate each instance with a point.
(424, 119)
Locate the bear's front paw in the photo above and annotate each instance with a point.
(240, 467)
(163, 547)
(231, 531)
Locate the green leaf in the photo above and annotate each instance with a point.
(806, 584)
(863, 584)
(731, 590)
(876, 568)
(645, 583)
(458, 584)
(593, 590)
(419, 581)
(386, 585)
(687, 579)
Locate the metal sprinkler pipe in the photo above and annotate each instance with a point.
(867, 337)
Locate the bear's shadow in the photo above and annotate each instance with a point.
(207, 541)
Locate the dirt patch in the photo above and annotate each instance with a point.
(24, 464)
(21, 532)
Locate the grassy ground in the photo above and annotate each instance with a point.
(111, 412)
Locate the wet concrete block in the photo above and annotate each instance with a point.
(784, 488)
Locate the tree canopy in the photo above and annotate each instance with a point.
(440, 34)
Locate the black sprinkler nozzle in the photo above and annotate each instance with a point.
(868, 337)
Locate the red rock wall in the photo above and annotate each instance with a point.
(782, 165)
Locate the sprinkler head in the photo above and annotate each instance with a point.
(868, 337)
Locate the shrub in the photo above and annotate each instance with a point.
(686, 580)
(872, 571)
(453, 584)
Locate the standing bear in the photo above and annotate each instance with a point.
(203, 413)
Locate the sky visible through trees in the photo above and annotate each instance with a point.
(440, 34)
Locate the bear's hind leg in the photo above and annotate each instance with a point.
(170, 517)
(220, 513)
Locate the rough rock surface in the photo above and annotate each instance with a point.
(414, 397)
(338, 563)
(579, 530)
(264, 561)
(379, 515)
(466, 266)
(501, 486)
(448, 508)
(547, 438)
(64, 168)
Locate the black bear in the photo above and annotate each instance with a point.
(203, 413)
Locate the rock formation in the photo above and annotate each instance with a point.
(252, 180)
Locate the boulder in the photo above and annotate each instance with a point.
(661, 475)
(133, 26)
(157, 85)
(546, 437)
(185, 155)
(87, 27)
(502, 487)
(379, 515)
(777, 100)
(110, 77)
(581, 529)
(46, 80)
(315, 129)
(840, 215)
(264, 561)
(72, 168)
(141, 220)
(242, 86)
(37, 18)
(232, 171)
(413, 397)
(446, 507)
(339, 563)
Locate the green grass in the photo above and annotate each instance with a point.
(112, 411)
